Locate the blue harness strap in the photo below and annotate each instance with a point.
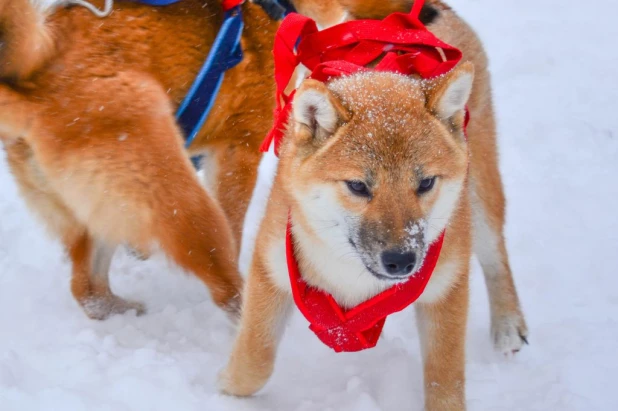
(225, 53)
(158, 2)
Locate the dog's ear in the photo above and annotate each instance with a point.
(317, 112)
(447, 96)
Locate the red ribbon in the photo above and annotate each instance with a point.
(403, 45)
(401, 41)
(230, 4)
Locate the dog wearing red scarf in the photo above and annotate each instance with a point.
(373, 168)
(88, 127)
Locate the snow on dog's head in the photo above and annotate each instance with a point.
(376, 164)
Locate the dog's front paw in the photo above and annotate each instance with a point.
(239, 384)
(509, 333)
(229, 385)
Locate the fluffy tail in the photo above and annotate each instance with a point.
(25, 42)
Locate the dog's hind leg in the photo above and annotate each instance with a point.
(91, 259)
(123, 172)
(89, 282)
(230, 174)
(508, 326)
(196, 235)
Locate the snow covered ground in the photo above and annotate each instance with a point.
(556, 86)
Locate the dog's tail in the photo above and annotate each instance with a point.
(25, 41)
(379, 9)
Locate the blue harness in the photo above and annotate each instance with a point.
(225, 54)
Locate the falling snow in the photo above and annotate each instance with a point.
(554, 72)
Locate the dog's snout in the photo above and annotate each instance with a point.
(398, 263)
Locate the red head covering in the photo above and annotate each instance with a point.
(406, 47)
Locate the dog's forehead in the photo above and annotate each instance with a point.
(389, 120)
(379, 94)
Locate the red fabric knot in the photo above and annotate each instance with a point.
(404, 46)
(230, 4)
(401, 41)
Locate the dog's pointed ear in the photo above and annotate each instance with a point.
(317, 112)
(447, 97)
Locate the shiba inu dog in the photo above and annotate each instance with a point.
(372, 169)
(87, 122)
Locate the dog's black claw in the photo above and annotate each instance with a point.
(524, 339)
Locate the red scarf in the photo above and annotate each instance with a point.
(406, 47)
(358, 328)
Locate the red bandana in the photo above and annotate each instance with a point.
(405, 46)
(358, 328)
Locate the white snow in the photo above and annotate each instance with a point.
(555, 81)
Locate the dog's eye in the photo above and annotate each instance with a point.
(426, 185)
(359, 188)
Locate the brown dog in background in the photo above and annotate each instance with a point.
(87, 122)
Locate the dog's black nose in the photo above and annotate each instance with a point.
(398, 263)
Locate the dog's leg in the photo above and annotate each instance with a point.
(90, 259)
(508, 326)
(442, 331)
(264, 311)
(90, 283)
(230, 174)
(199, 240)
(123, 172)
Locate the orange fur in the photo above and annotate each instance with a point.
(374, 9)
(487, 193)
(93, 143)
(311, 159)
(87, 123)
(443, 308)
(325, 12)
(26, 42)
